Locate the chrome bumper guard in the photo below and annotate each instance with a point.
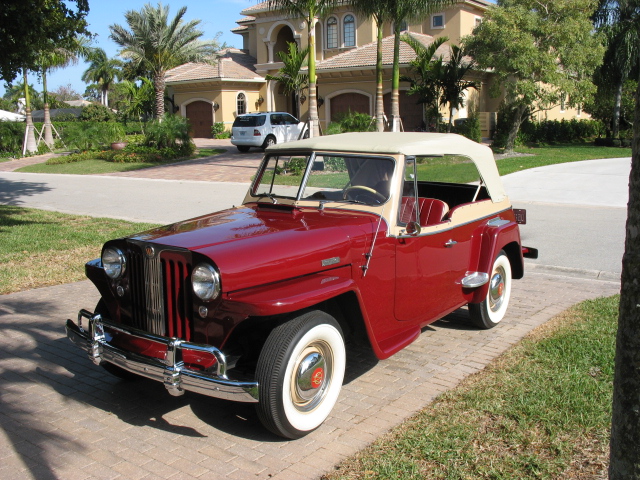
(171, 371)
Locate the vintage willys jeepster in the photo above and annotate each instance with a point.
(359, 235)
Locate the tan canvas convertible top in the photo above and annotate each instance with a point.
(409, 144)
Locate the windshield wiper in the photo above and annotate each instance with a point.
(270, 196)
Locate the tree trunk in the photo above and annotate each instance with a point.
(379, 83)
(158, 85)
(616, 110)
(314, 126)
(48, 133)
(395, 80)
(625, 422)
(29, 144)
(515, 127)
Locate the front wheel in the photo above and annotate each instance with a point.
(492, 309)
(300, 373)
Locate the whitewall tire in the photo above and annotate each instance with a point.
(492, 309)
(300, 373)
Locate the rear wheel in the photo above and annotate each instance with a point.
(270, 140)
(492, 309)
(243, 148)
(300, 373)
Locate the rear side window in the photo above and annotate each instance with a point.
(249, 121)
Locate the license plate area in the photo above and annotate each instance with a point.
(521, 215)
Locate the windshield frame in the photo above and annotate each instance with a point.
(311, 157)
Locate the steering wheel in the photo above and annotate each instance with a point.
(374, 193)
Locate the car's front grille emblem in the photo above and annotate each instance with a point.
(149, 251)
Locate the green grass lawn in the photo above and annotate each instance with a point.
(96, 167)
(541, 411)
(41, 248)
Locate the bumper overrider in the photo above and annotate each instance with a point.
(171, 371)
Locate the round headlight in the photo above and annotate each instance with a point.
(113, 262)
(206, 282)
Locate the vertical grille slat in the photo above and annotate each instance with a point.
(160, 294)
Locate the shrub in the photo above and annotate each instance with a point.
(11, 137)
(296, 166)
(96, 113)
(172, 131)
(470, 127)
(217, 129)
(85, 136)
(357, 122)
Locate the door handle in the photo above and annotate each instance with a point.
(450, 243)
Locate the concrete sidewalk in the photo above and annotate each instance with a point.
(63, 417)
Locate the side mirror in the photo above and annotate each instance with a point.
(413, 228)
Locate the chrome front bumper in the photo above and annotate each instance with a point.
(171, 371)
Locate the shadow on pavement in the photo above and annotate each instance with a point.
(10, 191)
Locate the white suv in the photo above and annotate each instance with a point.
(264, 129)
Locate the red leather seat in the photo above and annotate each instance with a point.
(432, 210)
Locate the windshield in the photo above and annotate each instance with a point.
(355, 179)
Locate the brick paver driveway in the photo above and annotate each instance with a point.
(62, 417)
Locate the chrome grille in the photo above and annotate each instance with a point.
(160, 291)
(154, 298)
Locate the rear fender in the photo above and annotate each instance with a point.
(487, 242)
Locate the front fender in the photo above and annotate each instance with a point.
(291, 295)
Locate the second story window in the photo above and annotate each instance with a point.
(349, 31)
(241, 104)
(332, 32)
(437, 21)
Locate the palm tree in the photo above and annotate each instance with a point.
(138, 99)
(102, 71)
(616, 19)
(157, 43)
(400, 11)
(311, 11)
(58, 58)
(290, 76)
(378, 11)
(453, 83)
(427, 73)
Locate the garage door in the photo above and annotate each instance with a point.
(348, 102)
(200, 115)
(410, 111)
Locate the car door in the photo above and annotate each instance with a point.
(278, 127)
(293, 127)
(431, 263)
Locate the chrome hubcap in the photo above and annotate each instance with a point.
(496, 289)
(311, 376)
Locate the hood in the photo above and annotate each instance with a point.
(259, 244)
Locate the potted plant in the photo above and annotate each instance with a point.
(116, 135)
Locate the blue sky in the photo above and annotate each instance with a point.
(216, 16)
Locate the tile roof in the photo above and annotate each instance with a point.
(365, 55)
(258, 7)
(232, 64)
(247, 19)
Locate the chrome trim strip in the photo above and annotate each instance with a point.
(424, 234)
(171, 371)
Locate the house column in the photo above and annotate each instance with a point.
(270, 46)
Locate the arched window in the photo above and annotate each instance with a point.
(241, 104)
(332, 32)
(349, 28)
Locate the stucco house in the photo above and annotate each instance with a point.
(346, 58)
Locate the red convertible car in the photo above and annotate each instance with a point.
(354, 235)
